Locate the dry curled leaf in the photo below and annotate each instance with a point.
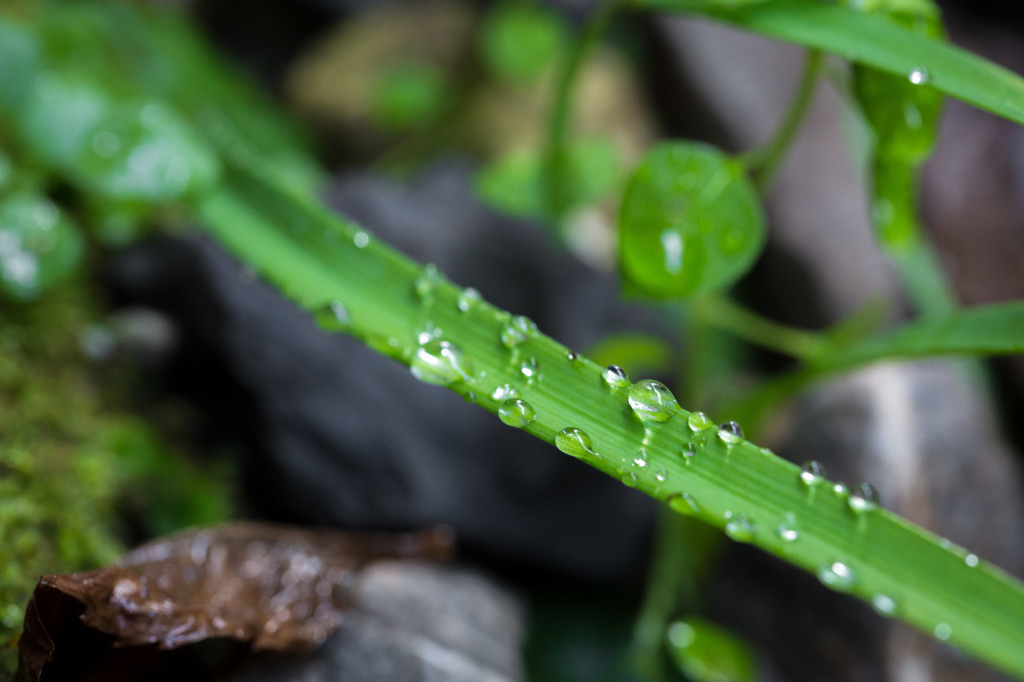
(275, 587)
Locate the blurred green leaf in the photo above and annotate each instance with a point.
(707, 653)
(410, 95)
(515, 184)
(520, 40)
(19, 57)
(637, 353)
(39, 246)
(690, 221)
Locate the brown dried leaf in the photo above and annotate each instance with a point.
(275, 587)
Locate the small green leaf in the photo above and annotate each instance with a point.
(984, 330)
(706, 653)
(410, 95)
(520, 40)
(690, 221)
(39, 246)
(515, 183)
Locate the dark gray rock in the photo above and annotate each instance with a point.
(340, 435)
(412, 622)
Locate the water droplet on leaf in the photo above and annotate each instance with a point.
(575, 442)
(467, 299)
(504, 392)
(943, 632)
(615, 377)
(361, 239)
(684, 503)
(652, 401)
(699, 421)
(812, 473)
(838, 576)
(441, 363)
(740, 528)
(517, 330)
(517, 413)
(863, 499)
(688, 452)
(919, 76)
(730, 433)
(883, 604)
(971, 560)
(661, 475)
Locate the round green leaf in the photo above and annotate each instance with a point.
(690, 221)
(520, 40)
(39, 246)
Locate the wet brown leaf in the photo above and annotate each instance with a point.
(274, 587)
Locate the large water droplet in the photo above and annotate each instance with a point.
(467, 299)
(517, 413)
(838, 576)
(517, 330)
(699, 421)
(863, 499)
(812, 473)
(440, 362)
(884, 604)
(919, 76)
(652, 401)
(575, 442)
(730, 433)
(943, 632)
(504, 392)
(684, 503)
(740, 528)
(615, 377)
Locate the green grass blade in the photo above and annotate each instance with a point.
(984, 330)
(390, 301)
(875, 41)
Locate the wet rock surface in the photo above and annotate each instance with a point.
(414, 622)
(341, 435)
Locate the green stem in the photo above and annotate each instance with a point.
(765, 162)
(556, 156)
(729, 316)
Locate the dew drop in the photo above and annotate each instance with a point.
(615, 377)
(699, 421)
(504, 392)
(688, 452)
(971, 560)
(440, 362)
(470, 397)
(943, 632)
(629, 479)
(840, 489)
(428, 279)
(517, 330)
(575, 442)
(740, 528)
(919, 76)
(812, 473)
(517, 413)
(883, 604)
(661, 475)
(838, 576)
(863, 499)
(467, 299)
(361, 239)
(333, 316)
(530, 369)
(684, 503)
(652, 401)
(730, 433)
(787, 531)
(640, 460)
(573, 356)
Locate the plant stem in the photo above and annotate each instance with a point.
(556, 154)
(765, 162)
(730, 316)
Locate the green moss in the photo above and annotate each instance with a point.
(72, 456)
